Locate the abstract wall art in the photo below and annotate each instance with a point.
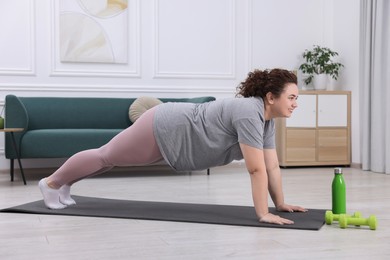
(93, 31)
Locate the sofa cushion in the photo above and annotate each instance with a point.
(141, 105)
(75, 113)
(63, 143)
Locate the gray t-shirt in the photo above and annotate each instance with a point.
(200, 136)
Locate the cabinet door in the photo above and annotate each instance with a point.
(333, 145)
(305, 114)
(301, 145)
(332, 110)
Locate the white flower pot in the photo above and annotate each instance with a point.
(320, 81)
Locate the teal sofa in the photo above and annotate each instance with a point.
(58, 127)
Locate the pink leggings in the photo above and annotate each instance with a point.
(133, 146)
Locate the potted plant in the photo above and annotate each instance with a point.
(319, 65)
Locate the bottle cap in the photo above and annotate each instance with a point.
(338, 171)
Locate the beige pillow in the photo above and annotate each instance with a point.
(140, 105)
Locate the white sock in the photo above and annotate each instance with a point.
(65, 197)
(51, 196)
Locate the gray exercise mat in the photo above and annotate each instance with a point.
(168, 211)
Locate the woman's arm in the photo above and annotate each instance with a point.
(255, 163)
(275, 182)
(274, 177)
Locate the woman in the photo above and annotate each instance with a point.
(196, 137)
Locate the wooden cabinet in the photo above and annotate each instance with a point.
(318, 132)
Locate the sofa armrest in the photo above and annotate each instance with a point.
(15, 117)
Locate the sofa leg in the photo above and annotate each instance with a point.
(12, 169)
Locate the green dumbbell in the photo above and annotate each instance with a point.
(370, 221)
(330, 217)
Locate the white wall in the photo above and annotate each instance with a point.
(177, 48)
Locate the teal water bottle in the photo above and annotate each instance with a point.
(339, 200)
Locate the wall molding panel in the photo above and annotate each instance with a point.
(278, 41)
(175, 55)
(249, 46)
(27, 69)
(132, 68)
(51, 89)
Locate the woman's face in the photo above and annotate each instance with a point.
(285, 104)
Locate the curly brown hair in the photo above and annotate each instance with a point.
(259, 83)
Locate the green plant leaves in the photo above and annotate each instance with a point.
(319, 61)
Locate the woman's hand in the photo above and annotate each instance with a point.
(290, 208)
(275, 219)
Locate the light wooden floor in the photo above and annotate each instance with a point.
(24, 236)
